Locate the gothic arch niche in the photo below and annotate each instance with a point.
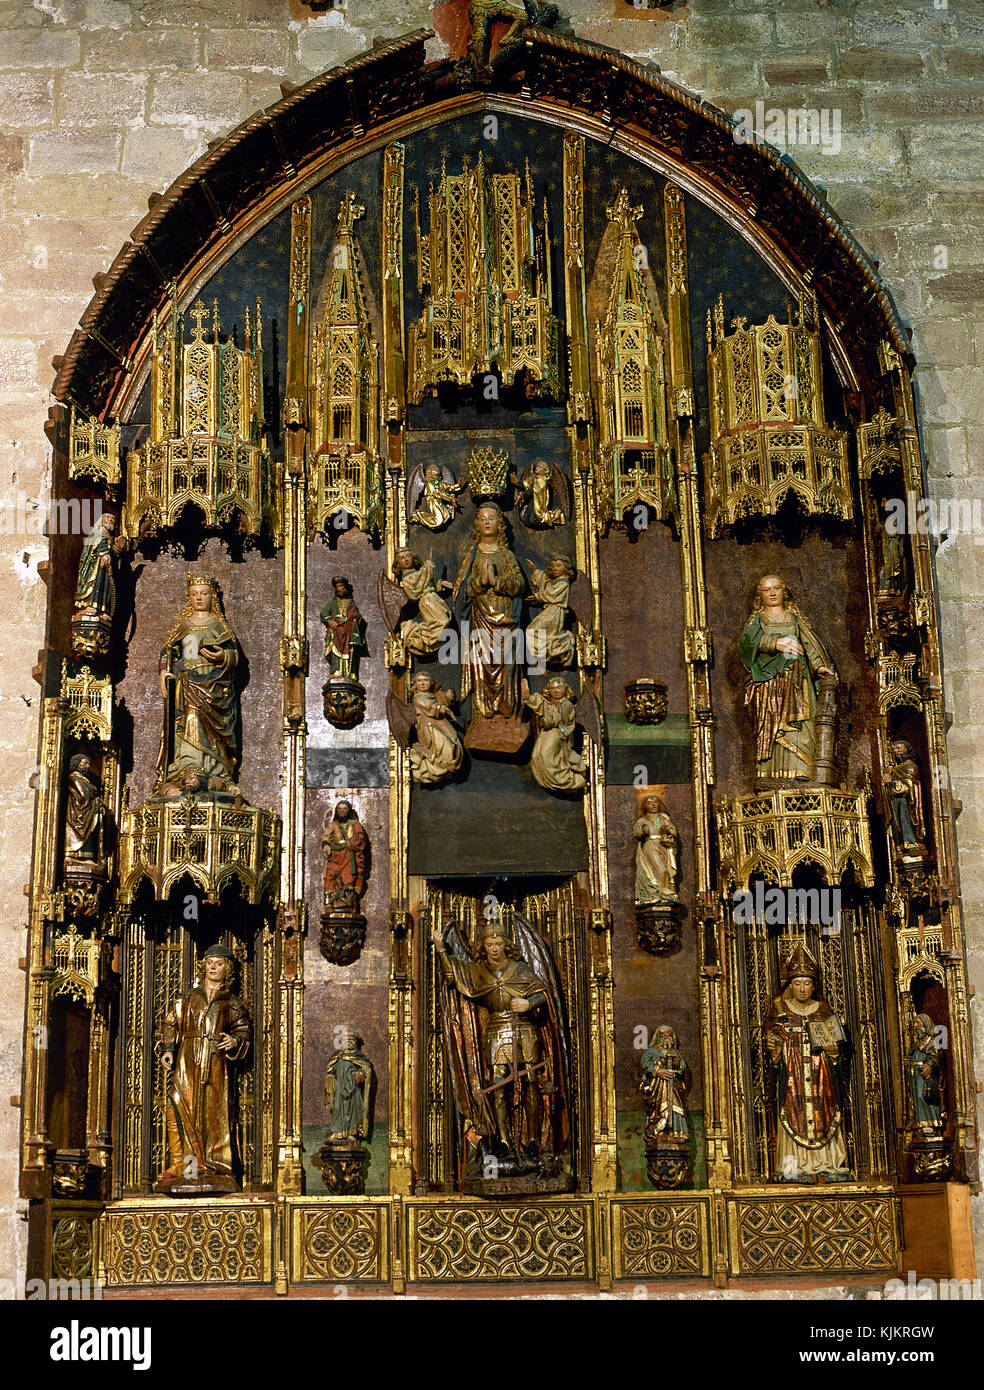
(656, 350)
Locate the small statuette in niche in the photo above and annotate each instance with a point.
(926, 1082)
(95, 589)
(350, 1082)
(345, 846)
(664, 1085)
(903, 793)
(345, 642)
(658, 909)
(85, 835)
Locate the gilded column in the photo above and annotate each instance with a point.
(591, 659)
(46, 905)
(99, 1098)
(294, 663)
(698, 655)
(402, 1067)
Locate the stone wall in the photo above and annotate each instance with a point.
(103, 102)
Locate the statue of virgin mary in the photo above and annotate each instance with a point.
(488, 604)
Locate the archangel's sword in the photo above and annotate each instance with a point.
(513, 1075)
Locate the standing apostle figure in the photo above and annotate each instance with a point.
(205, 1030)
(346, 849)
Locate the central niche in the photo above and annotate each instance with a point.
(482, 580)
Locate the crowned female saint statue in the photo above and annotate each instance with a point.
(785, 660)
(199, 752)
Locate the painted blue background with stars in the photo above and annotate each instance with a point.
(720, 261)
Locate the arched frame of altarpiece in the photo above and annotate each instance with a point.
(903, 944)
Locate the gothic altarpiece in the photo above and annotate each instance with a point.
(493, 597)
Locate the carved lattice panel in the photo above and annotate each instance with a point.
(458, 1242)
(340, 1243)
(72, 1247)
(800, 1235)
(208, 1245)
(660, 1240)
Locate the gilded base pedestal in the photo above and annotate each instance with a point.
(669, 1165)
(931, 1159)
(342, 938)
(344, 702)
(84, 884)
(658, 927)
(91, 636)
(209, 1185)
(646, 701)
(344, 1167)
(521, 1185)
(459, 1239)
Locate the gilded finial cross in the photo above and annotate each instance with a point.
(622, 210)
(199, 313)
(349, 212)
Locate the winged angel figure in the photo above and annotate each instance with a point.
(504, 1027)
(412, 581)
(437, 752)
(544, 495)
(431, 495)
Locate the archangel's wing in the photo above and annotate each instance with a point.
(462, 1035)
(579, 601)
(392, 601)
(537, 955)
(401, 716)
(560, 486)
(588, 713)
(455, 942)
(415, 488)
